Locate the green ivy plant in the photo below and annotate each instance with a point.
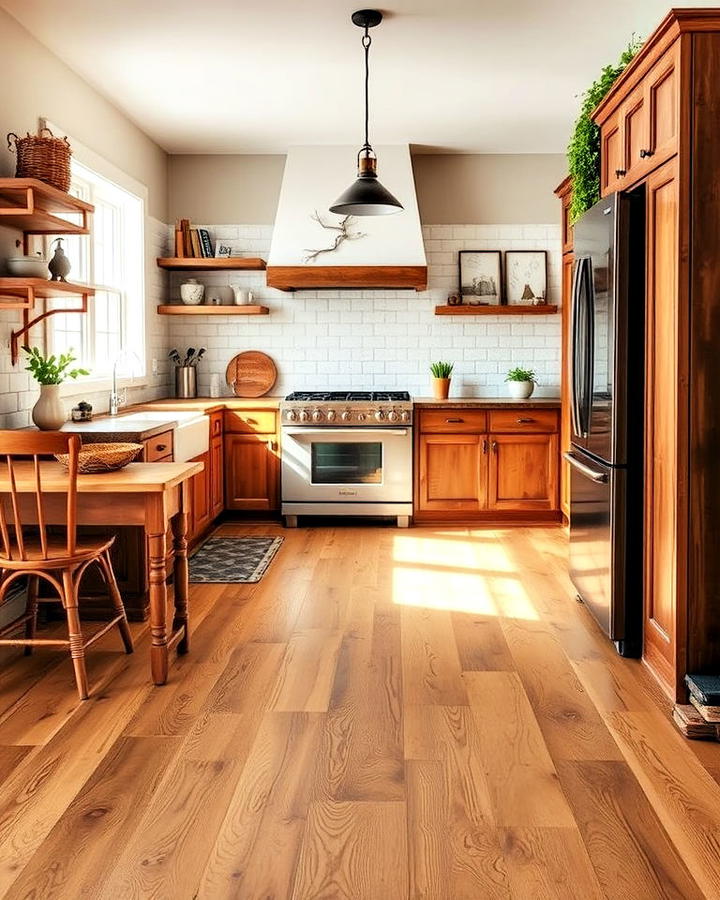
(584, 147)
(520, 374)
(51, 369)
(442, 369)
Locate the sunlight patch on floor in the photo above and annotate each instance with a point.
(460, 577)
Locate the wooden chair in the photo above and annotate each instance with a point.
(59, 561)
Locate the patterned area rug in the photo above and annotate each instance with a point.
(233, 560)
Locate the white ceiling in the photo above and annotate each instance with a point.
(232, 76)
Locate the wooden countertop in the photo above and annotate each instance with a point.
(136, 478)
(487, 403)
(209, 404)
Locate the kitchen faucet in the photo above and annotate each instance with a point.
(118, 398)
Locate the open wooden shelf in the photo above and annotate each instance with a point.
(32, 206)
(191, 264)
(177, 309)
(546, 309)
(27, 290)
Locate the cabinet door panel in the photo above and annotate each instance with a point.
(251, 472)
(452, 472)
(565, 426)
(635, 125)
(201, 497)
(217, 477)
(611, 155)
(662, 101)
(523, 471)
(661, 452)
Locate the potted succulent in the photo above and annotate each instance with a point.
(50, 372)
(441, 372)
(521, 382)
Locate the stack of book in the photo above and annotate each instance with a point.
(192, 242)
(700, 719)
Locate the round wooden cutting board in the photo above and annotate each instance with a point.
(251, 374)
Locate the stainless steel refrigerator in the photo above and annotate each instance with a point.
(606, 397)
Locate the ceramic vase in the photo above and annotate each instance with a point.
(521, 390)
(441, 388)
(192, 293)
(49, 411)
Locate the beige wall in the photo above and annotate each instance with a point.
(489, 189)
(37, 84)
(223, 190)
(452, 189)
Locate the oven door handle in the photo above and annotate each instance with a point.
(358, 431)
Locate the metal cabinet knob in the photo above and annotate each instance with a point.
(620, 172)
(494, 447)
(522, 421)
(645, 153)
(454, 421)
(161, 447)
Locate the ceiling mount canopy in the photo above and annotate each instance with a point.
(366, 196)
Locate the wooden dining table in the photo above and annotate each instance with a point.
(151, 495)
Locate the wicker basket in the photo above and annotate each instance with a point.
(102, 457)
(42, 157)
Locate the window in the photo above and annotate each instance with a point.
(111, 259)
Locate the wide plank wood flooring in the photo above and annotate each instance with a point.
(388, 714)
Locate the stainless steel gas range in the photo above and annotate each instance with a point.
(347, 453)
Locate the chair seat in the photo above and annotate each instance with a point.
(57, 555)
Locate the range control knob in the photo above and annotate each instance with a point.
(331, 415)
(304, 415)
(405, 416)
(361, 417)
(317, 415)
(380, 416)
(346, 416)
(393, 416)
(291, 415)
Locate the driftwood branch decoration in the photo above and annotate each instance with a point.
(344, 234)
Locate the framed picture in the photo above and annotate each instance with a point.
(525, 277)
(480, 277)
(223, 249)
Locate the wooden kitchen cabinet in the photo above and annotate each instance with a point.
(252, 472)
(523, 472)
(508, 472)
(451, 473)
(200, 510)
(639, 126)
(564, 192)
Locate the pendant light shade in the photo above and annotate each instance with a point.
(366, 196)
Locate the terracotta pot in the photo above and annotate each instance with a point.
(49, 411)
(441, 388)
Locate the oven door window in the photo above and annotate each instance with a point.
(347, 462)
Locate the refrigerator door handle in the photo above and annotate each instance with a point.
(600, 477)
(575, 368)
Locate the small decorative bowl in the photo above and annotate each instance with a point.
(27, 267)
(94, 458)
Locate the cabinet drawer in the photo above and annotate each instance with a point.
(514, 421)
(159, 448)
(453, 421)
(252, 421)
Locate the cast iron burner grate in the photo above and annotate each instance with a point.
(349, 396)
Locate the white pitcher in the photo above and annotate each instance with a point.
(243, 297)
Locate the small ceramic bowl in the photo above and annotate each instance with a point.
(27, 267)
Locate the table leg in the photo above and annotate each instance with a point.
(180, 571)
(157, 548)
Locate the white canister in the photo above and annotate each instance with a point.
(215, 385)
(242, 297)
(192, 293)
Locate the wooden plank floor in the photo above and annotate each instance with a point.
(422, 713)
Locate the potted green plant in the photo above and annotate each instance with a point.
(521, 382)
(50, 372)
(441, 372)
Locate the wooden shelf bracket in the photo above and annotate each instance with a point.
(28, 323)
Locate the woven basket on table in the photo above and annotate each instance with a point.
(102, 457)
(42, 157)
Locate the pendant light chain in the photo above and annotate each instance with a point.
(366, 41)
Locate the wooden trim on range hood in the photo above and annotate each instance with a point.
(315, 278)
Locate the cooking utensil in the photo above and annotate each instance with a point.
(251, 374)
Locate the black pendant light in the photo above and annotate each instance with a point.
(366, 196)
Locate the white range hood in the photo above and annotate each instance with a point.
(376, 251)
